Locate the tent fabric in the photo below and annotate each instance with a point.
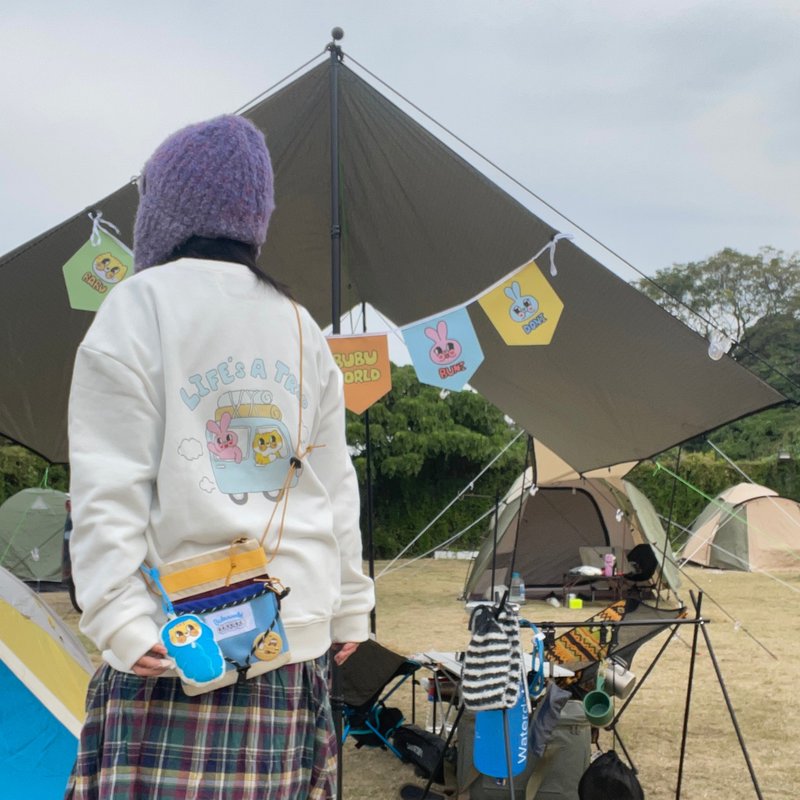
(44, 675)
(747, 527)
(32, 534)
(557, 524)
(422, 231)
(654, 533)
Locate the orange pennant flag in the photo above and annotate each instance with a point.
(364, 362)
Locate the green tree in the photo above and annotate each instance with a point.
(20, 469)
(756, 299)
(425, 449)
(730, 291)
(770, 349)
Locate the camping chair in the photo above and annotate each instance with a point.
(369, 678)
(583, 648)
(643, 563)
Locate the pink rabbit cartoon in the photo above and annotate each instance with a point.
(223, 442)
(444, 349)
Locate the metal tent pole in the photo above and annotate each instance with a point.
(337, 697)
(669, 525)
(370, 539)
(698, 622)
(336, 229)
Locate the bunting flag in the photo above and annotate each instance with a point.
(364, 362)
(523, 307)
(97, 267)
(444, 349)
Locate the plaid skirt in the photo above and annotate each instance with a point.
(269, 738)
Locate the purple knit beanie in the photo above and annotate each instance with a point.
(212, 179)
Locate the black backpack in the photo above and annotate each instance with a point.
(423, 749)
(609, 778)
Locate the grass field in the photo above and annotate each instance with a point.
(418, 610)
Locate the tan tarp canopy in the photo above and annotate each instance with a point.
(747, 527)
(422, 231)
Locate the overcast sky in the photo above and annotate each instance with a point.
(666, 130)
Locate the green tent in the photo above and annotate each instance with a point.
(32, 534)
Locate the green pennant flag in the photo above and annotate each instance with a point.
(102, 263)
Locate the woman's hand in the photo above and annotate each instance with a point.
(153, 663)
(344, 651)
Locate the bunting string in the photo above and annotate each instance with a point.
(99, 226)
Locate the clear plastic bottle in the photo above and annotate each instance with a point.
(517, 594)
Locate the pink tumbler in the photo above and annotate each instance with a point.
(608, 564)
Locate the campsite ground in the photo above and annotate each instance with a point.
(418, 611)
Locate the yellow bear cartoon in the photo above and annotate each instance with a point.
(109, 268)
(268, 445)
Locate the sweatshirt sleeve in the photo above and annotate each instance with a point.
(333, 465)
(115, 435)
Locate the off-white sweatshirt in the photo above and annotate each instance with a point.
(183, 412)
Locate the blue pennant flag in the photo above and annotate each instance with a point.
(444, 349)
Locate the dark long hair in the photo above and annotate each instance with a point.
(226, 250)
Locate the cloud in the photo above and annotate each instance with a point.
(190, 449)
(207, 485)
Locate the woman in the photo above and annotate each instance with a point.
(162, 459)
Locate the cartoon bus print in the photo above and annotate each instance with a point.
(249, 446)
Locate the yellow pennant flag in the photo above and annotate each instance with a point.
(524, 308)
(364, 362)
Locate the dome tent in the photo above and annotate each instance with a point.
(747, 527)
(566, 519)
(44, 675)
(32, 535)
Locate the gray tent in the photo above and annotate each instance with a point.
(32, 535)
(422, 231)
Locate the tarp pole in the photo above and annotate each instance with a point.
(337, 694)
(667, 544)
(698, 602)
(336, 228)
(494, 543)
(530, 458)
(370, 539)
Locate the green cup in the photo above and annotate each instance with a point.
(598, 706)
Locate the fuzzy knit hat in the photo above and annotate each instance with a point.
(212, 179)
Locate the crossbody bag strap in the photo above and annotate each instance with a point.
(296, 461)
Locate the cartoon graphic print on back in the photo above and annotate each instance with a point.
(249, 445)
(523, 306)
(444, 349)
(248, 442)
